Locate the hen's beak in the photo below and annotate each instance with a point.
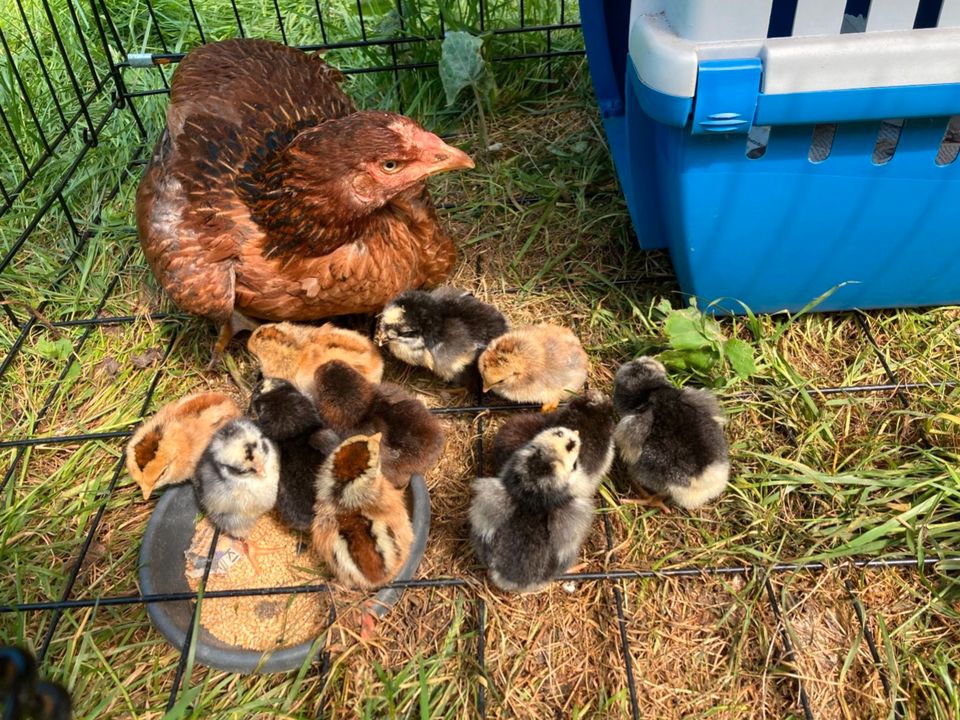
(437, 157)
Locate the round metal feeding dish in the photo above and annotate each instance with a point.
(168, 535)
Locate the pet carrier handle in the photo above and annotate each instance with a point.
(731, 85)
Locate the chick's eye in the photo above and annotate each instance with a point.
(390, 166)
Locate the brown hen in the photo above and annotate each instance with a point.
(269, 196)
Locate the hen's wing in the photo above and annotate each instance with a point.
(255, 86)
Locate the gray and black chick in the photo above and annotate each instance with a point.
(236, 479)
(590, 414)
(412, 438)
(527, 526)
(670, 438)
(443, 330)
(291, 420)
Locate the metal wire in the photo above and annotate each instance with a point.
(788, 654)
(898, 706)
(194, 624)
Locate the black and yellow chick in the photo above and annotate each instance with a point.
(290, 419)
(361, 527)
(670, 438)
(590, 414)
(412, 436)
(236, 480)
(443, 330)
(528, 524)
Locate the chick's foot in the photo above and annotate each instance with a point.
(253, 553)
(649, 500)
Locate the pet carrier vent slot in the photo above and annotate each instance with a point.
(855, 16)
(887, 138)
(950, 145)
(782, 16)
(927, 14)
(757, 140)
(822, 142)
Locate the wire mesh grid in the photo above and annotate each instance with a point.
(94, 82)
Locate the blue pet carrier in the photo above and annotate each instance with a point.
(782, 148)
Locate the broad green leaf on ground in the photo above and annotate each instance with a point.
(740, 355)
(684, 331)
(461, 63)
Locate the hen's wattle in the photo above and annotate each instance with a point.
(270, 196)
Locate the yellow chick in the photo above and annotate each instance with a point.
(535, 364)
(292, 352)
(165, 449)
(361, 528)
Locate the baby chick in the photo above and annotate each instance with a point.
(412, 436)
(292, 352)
(443, 330)
(591, 415)
(289, 418)
(236, 480)
(361, 528)
(165, 449)
(670, 438)
(527, 525)
(535, 364)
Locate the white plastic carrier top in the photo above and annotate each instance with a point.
(827, 51)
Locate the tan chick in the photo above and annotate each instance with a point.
(292, 352)
(165, 449)
(535, 364)
(361, 528)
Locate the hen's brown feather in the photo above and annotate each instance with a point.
(218, 234)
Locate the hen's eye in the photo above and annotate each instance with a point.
(390, 166)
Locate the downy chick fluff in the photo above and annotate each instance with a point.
(289, 418)
(361, 528)
(671, 439)
(590, 414)
(534, 364)
(293, 352)
(412, 436)
(165, 449)
(443, 330)
(527, 525)
(237, 478)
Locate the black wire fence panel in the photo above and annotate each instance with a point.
(78, 80)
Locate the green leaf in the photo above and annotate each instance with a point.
(740, 355)
(461, 63)
(54, 349)
(688, 360)
(684, 331)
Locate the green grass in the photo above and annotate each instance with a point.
(544, 234)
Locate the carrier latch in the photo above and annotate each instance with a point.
(726, 98)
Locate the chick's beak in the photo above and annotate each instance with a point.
(437, 157)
